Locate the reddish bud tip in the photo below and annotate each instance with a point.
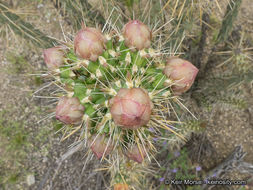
(69, 110)
(53, 57)
(137, 35)
(136, 154)
(89, 43)
(100, 146)
(131, 108)
(120, 186)
(182, 72)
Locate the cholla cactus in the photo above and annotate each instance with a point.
(117, 97)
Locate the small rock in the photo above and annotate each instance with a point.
(45, 159)
(30, 179)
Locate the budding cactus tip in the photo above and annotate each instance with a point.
(120, 186)
(53, 57)
(69, 110)
(131, 108)
(182, 72)
(137, 35)
(89, 43)
(100, 146)
(136, 153)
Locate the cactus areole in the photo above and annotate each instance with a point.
(131, 108)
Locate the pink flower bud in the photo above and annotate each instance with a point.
(120, 186)
(69, 110)
(89, 43)
(53, 57)
(100, 146)
(135, 154)
(131, 108)
(137, 35)
(182, 72)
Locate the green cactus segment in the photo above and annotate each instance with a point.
(93, 66)
(66, 72)
(80, 91)
(71, 56)
(155, 80)
(109, 44)
(138, 60)
(106, 128)
(159, 81)
(87, 95)
(122, 50)
(90, 110)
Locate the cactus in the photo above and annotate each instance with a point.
(117, 91)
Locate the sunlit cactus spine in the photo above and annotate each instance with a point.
(117, 92)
